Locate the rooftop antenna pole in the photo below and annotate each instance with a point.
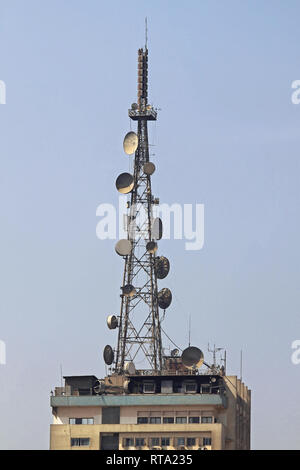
(61, 376)
(146, 33)
(241, 365)
(189, 330)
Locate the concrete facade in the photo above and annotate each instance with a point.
(138, 421)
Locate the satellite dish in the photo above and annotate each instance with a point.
(99, 387)
(174, 352)
(112, 322)
(149, 168)
(192, 357)
(108, 355)
(157, 229)
(162, 267)
(128, 290)
(130, 143)
(125, 183)
(123, 247)
(129, 368)
(164, 298)
(151, 247)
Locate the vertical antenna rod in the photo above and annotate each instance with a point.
(241, 365)
(146, 34)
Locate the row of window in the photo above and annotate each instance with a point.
(186, 387)
(172, 420)
(80, 441)
(141, 441)
(164, 441)
(81, 420)
(154, 420)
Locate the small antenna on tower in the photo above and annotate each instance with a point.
(189, 330)
(241, 365)
(61, 376)
(146, 33)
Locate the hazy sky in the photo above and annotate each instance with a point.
(227, 136)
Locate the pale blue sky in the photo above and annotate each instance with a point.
(227, 136)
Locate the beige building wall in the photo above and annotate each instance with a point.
(229, 430)
(237, 416)
(61, 434)
(67, 412)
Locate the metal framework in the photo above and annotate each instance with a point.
(139, 335)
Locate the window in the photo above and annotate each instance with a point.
(180, 419)
(207, 441)
(168, 419)
(128, 442)
(166, 386)
(206, 419)
(205, 389)
(180, 441)
(155, 420)
(142, 420)
(80, 441)
(191, 441)
(154, 441)
(190, 387)
(139, 442)
(194, 419)
(165, 441)
(81, 421)
(149, 387)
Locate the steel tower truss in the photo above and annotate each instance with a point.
(139, 335)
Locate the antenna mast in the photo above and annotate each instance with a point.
(139, 330)
(241, 365)
(146, 34)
